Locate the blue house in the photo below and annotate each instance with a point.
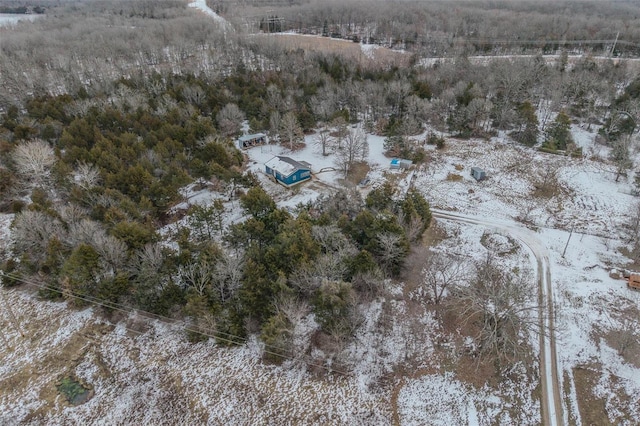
(287, 171)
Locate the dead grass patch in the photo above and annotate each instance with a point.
(434, 235)
(566, 384)
(454, 177)
(358, 172)
(379, 58)
(593, 410)
(467, 365)
(56, 365)
(414, 263)
(624, 337)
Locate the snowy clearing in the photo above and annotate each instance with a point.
(141, 371)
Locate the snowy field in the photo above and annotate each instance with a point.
(146, 372)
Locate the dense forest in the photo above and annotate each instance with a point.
(436, 28)
(102, 124)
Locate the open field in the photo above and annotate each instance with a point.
(366, 55)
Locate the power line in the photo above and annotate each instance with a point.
(217, 335)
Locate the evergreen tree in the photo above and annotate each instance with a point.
(276, 334)
(380, 198)
(528, 132)
(415, 206)
(257, 203)
(559, 133)
(334, 306)
(80, 273)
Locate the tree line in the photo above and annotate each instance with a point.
(435, 28)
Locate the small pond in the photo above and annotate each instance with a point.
(74, 391)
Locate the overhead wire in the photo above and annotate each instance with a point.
(219, 336)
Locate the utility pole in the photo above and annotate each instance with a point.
(568, 239)
(614, 44)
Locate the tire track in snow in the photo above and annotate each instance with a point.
(551, 400)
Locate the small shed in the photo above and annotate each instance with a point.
(478, 174)
(399, 163)
(634, 281)
(288, 171)
(247, 141)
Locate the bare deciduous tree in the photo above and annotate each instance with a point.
(149, 277)
(197, 276)
(229, 119)
(72, 213)
(274, 98)
(440, 273)
(355, 148)
(290, 130)
(227, 278)
(112, 251)
(84, 232)
(293, 308)
(274, 125)
(502, 306)
(340, 125)
(329, 266)
(32, 231)
(331, 238)
(87, 176)
(390, 249)
(194, 94)
(545, 179)
(305, 279)
(33, 160)
(370, 283)
(113, 254)
(413, 226)
(324, 104)
(324, 140)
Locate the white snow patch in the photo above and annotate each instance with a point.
(369, 50)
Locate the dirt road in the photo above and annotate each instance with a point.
(551, 400)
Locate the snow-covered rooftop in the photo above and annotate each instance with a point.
(251, 137)
(286, 165)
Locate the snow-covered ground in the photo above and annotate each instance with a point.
(590, 202)
(10, 19)
(202, 5)
(149, 373)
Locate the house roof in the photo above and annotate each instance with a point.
(401, 162)
(245, 138)
(286, 166)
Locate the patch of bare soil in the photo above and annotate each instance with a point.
(572, 416)
(593, 410)
(56, 365)
(412, 273)
(626, 342)
(358, 172)
(467, 365)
